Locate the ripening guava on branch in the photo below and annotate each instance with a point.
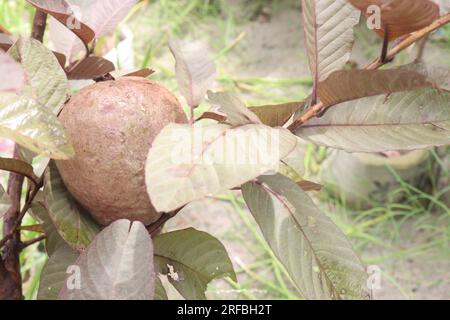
(112, 125)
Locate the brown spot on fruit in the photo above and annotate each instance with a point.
(107, 173)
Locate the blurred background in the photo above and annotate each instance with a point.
(394, 207)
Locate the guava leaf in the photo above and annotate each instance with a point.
(89, 68)
(346, 85)
(65, 41)
(401, 17)
(191, 259)
(439, 76)
(187, 163)
(194, 69)
(73, 223)
(24, 120)
(276, 115)
(11, 73)
(233, 108)
(401, 121)
(5, 201)
(104, 16)
(160, 291)
(53, 240)
(18, 166)
(61, 10)
(46, 79)
(296, 158)
(328, 27)
(118, 265)
(316, 254)
(143, 73)
(54, 273)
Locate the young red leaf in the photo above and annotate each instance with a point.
(345, 85)
(144, 73)
(276, 115)
(90, 68)
(400, 17)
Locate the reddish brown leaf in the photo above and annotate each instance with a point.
(90, 68)
(346, 85)
(276, 115)
(401, 17)
(309, 185)
(144, 73)
(61, 11)
(212, 116)
(34, 228)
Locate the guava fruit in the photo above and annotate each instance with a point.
(112, 125)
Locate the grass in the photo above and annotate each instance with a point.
(392, 232)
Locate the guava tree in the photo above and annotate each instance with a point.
(104, 168)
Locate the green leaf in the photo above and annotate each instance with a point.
(118, 265)
(160, 291)
(53, 240)
(316, 254)
(194, 69)
(54, 273)
(72, 222)
(401, 121)
(46, 79)
(276, 115)
(328, 26)
(18, 166)
(234, 109)
(187, 163)
(23, 120)
(191, 259)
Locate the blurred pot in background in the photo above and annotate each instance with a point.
(363, 180)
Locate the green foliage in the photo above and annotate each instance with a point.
(191, 259)
(126, 249)
(316, 254)
(72, 222)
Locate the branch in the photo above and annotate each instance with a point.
(28, 243)
(318, 108)
(39, 24)
(12, 243)
(414, 37)
(155, 227)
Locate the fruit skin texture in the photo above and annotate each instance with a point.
(112, 125)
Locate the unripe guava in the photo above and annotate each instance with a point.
(112, 125)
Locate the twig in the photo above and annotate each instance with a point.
(39, 24)
(154, 227)
(414, 37)
(10, 256)
(421, 49)
(27, 205)
(318, 108)
(28, 243)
